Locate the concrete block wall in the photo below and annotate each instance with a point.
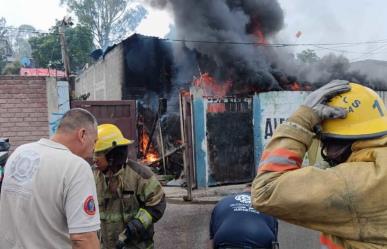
(104, 79)
(23, 109)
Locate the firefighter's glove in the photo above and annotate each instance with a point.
(317, 100)
(134, 230)
(120, 245)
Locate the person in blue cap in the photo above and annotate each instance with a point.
(235, 224)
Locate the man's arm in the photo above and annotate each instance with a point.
(308, 196)
(210, 244)
(85, 240)
(153, 205)
(81, 208)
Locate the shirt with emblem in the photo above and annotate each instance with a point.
(234, 223)
(48, 193)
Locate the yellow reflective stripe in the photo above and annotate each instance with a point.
(152, 187)
(110, 217)
(144, 217)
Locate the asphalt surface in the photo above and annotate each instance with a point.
(185, 226)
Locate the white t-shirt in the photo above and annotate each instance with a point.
(47, 194)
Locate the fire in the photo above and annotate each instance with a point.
(216, 107)
(151, 157)
(211, 87)
(295, 86)
(152, 154)
(261, 37)
(256, 30)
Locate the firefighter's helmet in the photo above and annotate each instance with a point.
(110, 136)
(366, 118)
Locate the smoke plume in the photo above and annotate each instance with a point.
(237, 21)
(219, 39)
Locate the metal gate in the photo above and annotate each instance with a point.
(121, 113)
(230, 140)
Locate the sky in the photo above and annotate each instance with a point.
(319, 21)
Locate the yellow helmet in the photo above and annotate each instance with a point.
(109, 136)
(366, 116)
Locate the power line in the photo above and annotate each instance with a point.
(27, 30)
(349, 44)
(372, 52)
(348, 51)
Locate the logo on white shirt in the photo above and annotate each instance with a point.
(89, 205)
(23, 167)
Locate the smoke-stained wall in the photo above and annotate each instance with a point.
(148, 65)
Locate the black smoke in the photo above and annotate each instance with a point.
(258, 68)
(234, 21)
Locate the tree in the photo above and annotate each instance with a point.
(2, 63)
(5, 49)
(19, 41)
(308, 56)
(3, 30)
(12, 68)
(46, 51)
(109, 20)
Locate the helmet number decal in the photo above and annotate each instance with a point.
(352, 107)
(377, 105)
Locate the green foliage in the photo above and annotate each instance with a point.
(3, 30)
(80, 44)
(308, 56)
(12, 68)
(109, 20)
(5, 49)
(46, 49)
(2, 63)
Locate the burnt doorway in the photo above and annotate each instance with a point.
(122, 113)
(230, 140)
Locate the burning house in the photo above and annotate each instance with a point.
(209, 98)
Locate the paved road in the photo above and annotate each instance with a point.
(185, 226)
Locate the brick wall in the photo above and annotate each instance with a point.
(23, 109)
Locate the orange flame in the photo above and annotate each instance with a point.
(261, 37)
(257, 31)
(214, 89)
(211, 87)
(295, 86)
(152, 154)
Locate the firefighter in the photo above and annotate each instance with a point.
(130, 197)
(347, 202)
(235, 224)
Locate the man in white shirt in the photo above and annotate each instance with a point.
(48, 198)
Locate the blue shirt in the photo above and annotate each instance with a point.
(235, 223)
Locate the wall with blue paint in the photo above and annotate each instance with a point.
(270, 110)
(200, 145)
(257, 130)
(59, 102)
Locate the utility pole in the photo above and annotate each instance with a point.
(65, 57)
